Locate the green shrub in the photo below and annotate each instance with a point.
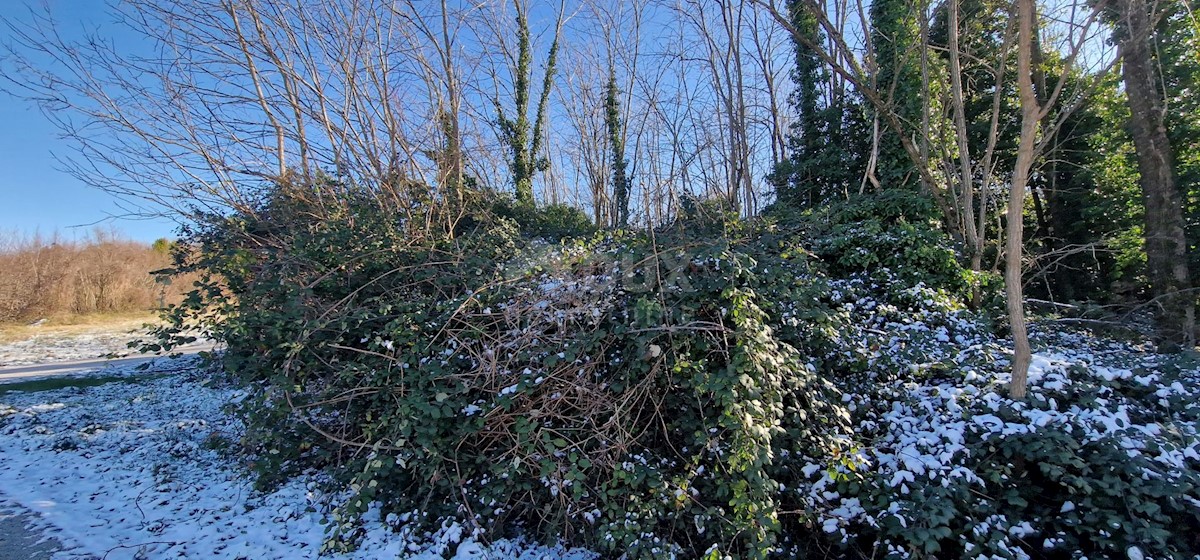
(705, 215)
(691, 392)
(894, 230)
(634, 402)
(632, 394)
(551, 222)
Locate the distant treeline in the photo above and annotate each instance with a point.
(49, 276)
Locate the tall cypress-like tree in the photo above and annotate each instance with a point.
(824, 152)
(795, 177)
(620, 176)
(896, 36)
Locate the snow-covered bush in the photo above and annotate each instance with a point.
(628, 393)
(1099, 461)
(683, 393)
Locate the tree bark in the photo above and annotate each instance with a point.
(1016, 200)
(1166, 245)
(971, 234)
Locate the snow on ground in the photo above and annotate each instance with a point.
(25, 535)
(924, 428)
(133, 470)
(45, 348)
(42, 343)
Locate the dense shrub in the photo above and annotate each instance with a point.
(52, 277)
(895, 229)
(689, 392)
(644, 385)
(551, 222)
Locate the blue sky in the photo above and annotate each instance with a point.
(35, 194)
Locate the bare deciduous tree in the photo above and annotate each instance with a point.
(1030, 115)
(211, 100)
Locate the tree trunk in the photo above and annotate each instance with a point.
(1016, 199)
(1166, 246)
(966, 187)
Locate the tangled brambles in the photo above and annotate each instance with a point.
(640, 422)
(631, 394)
(706, 393)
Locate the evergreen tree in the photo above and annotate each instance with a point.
(896, 36)
(826, 143)
(1166, 241)
(621, 181)
(1178, 59)
(1096, 181)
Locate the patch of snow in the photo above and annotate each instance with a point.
(44, 348)
(129, 470)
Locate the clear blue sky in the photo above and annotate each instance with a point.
(35, 195)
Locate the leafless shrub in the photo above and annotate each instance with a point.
(51, 276)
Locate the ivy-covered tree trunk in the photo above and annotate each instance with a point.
(896, 35)
(524, 144)
(805, 137)
(621, 182)
(825, 154)
(1166, 244)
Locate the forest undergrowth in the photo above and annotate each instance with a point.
(807, 384)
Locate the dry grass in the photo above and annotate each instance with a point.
(67, 282)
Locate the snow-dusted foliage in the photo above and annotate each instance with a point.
(608, 394)
(1099, 461)
(749, 390)
(148, 469)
